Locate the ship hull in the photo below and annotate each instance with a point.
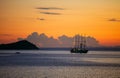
(75, 50)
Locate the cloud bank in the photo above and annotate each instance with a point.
(42, 40)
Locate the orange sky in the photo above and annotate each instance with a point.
(97, 18)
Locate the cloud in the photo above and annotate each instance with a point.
(114, 20)
(5, 35)
(42, 40)
(65, 41)
(50, 13)
(42, 19)
(49, 8)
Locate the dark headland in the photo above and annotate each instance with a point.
(20, 45)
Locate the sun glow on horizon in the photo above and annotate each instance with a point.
(97, 18)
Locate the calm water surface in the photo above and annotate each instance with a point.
(59, 64)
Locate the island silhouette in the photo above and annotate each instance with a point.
(20, 45)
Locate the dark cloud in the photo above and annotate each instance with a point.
(42, 19)
(5, 35)
(49, 8)
(43, 40)
(114, 20)
(50, 13)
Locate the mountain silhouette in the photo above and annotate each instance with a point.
(20, 45)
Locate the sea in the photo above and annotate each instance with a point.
(59, 64)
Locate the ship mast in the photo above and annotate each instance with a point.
(75, 41)
(80, 41)
(84, 43)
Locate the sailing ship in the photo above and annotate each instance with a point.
(79, 44)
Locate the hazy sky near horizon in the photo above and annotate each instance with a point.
(97, 18)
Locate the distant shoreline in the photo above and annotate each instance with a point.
(90, 49)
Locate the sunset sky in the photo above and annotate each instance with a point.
(97, 18)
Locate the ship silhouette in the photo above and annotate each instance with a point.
(79, 44)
